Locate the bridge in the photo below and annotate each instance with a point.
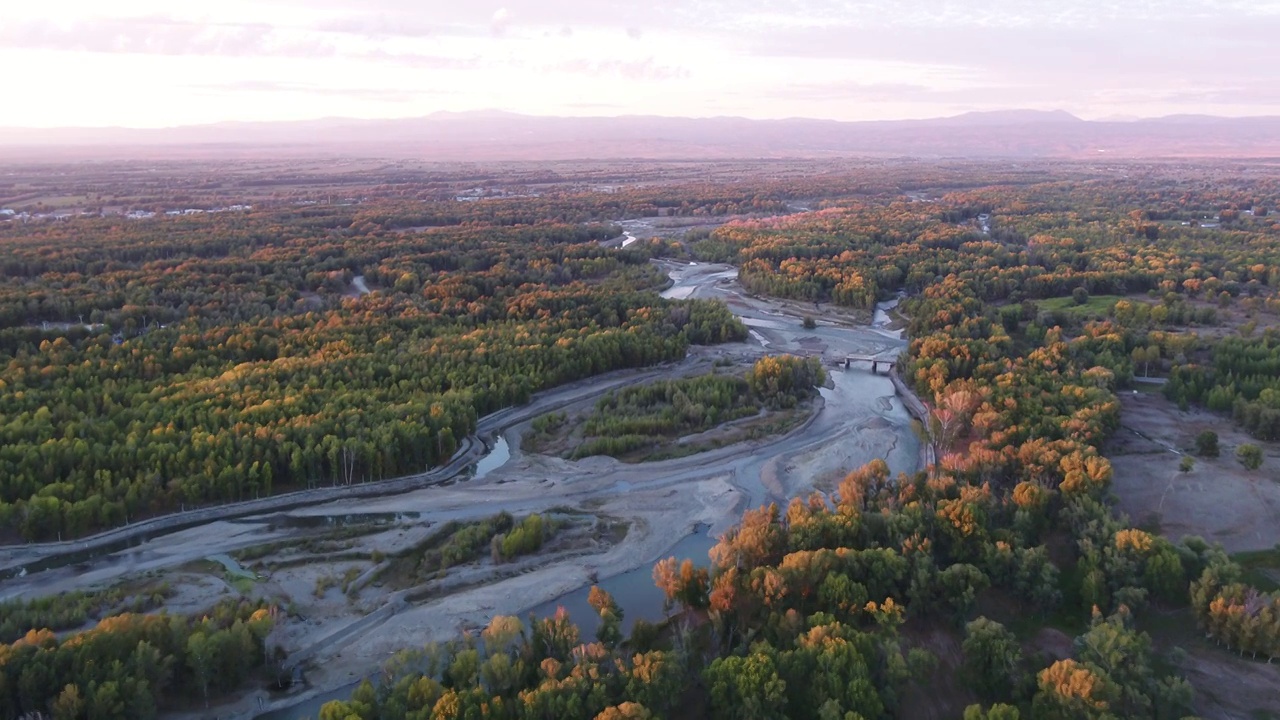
(874, 361)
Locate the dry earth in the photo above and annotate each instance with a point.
(1219, 499)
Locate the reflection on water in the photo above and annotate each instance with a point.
(232, 567)
(276, 522)
(494, 459)
(634, 591)
(879, 425)
(881, 320)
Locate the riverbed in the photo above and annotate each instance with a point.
(675, 507)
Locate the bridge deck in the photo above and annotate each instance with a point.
(875, 362)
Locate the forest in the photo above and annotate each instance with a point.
(169, 364)
(220, 365)
(812, 609)
(133, 665)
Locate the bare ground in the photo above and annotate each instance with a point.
(1219, 499)
(1227, 686)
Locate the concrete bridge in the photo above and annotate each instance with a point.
(875, 362)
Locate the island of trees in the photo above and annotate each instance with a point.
(649, 421)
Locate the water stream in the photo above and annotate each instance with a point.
(497, 456)
(634, 591)
(861, 420)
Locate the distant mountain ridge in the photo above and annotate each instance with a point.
(496, 135)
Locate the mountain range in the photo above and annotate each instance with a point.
(492, 135)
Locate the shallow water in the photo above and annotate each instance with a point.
(766, 324)
(494, 459)
(302, 520)
(232, 567)
(634, 591)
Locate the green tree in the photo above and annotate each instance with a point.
(992, 659)
(1250, 456)
(69, 704)
(746, 688)
(995, 712)
(202, 660)
(1207, 444)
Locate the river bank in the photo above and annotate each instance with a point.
(673, 506)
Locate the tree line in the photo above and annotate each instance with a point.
(133, 666)
(216, 359)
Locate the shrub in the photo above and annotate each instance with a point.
(1187, 463)
(525, 538)
(1249, 456)
(1207, 444)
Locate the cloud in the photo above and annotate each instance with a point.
(500, 21)
(419, 61)
(826, 58)
(593, 106)
(383, 25)
(274, 87)
(859, 92)
(1157, 51)
(163, 36)
(639, 70)
(1229, 93)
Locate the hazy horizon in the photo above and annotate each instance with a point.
(146, 63)
(498, 112)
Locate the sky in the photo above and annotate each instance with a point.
(156, 63)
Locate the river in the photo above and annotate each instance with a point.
(860, 419)
(674, 507)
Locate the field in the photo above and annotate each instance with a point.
(1096, 306)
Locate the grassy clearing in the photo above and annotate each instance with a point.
(1095, 306)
